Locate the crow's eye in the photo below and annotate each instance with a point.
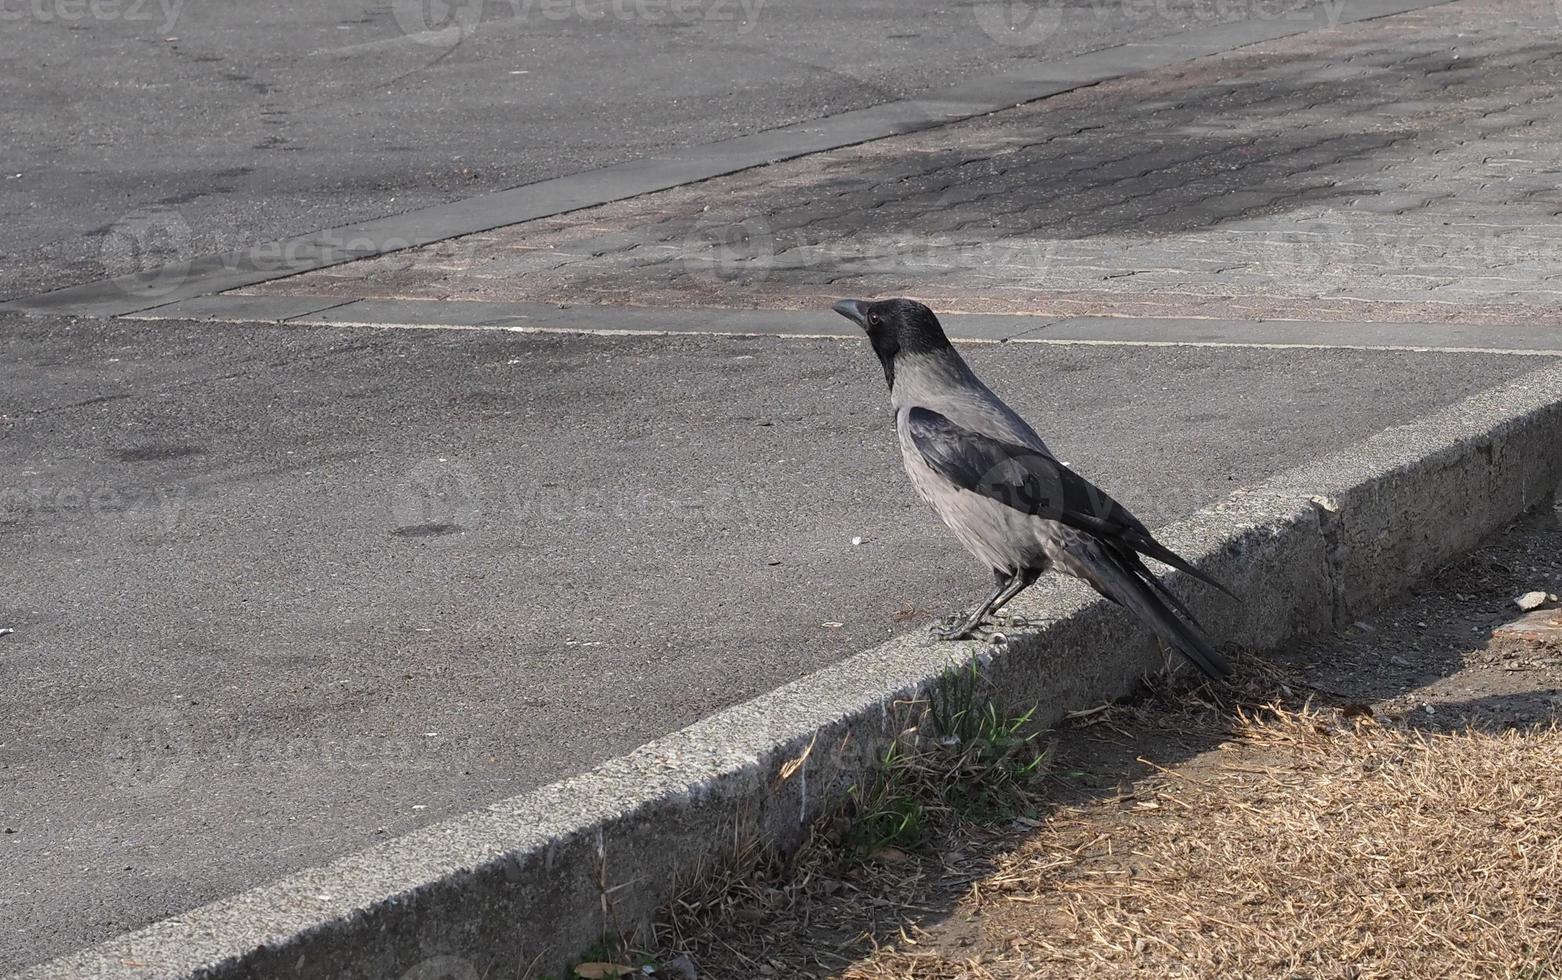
(873, 318)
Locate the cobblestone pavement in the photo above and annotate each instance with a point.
(1408, 168)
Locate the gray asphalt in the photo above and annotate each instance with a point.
(281, 591)
(219, 124)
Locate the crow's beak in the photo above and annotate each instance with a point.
(854, 310)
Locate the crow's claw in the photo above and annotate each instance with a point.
(957, 631)
(960, 626)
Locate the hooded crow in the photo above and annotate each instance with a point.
(1004, 495)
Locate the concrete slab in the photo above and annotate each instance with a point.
(243, 308)
(280, 592)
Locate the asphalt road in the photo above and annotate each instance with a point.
(226, 124)
(281, 591)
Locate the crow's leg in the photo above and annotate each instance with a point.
(1025, 579)
(1001, 581)
(964, 628)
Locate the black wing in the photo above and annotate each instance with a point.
(1033, 482)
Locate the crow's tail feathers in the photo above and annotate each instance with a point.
(1131, 584)
(1147, 545)
(1136, 565)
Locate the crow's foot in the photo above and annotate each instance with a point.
(961, 626)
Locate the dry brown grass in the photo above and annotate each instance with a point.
(1307, 846)
(1226, 832)
(958, 767)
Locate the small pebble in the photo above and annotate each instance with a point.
(1531, 601)
(684, 968)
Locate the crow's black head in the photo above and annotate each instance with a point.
(896, 327)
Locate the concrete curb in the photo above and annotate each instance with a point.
(517, 885)
(210, 274)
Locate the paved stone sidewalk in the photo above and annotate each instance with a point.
(1406, 169)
